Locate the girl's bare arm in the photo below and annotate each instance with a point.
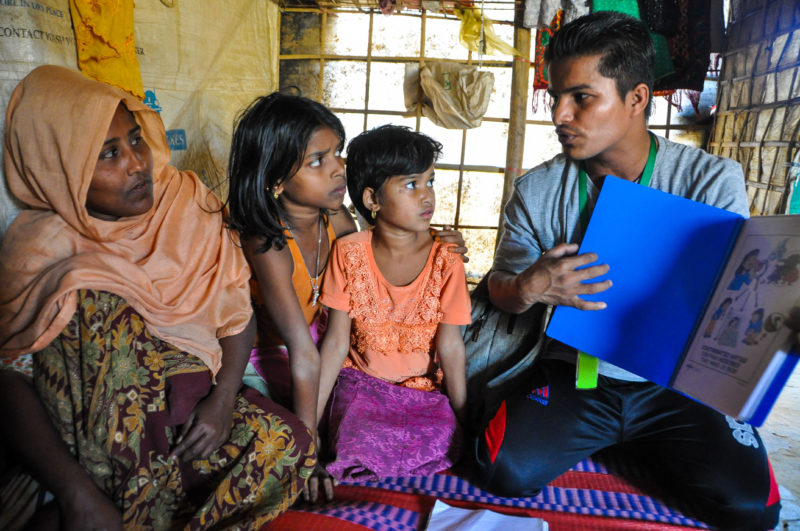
(333, 351)
(342, 221)
(273, 269)
(450, 347)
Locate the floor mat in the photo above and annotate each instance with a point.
(599, 493)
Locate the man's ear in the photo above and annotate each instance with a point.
(370, 199)
(639, 98)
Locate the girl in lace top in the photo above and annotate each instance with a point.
(287, 186)
(396, 300)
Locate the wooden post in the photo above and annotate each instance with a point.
(520, 71)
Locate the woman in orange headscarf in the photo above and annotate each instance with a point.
(123, 280)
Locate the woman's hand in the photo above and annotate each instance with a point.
(319, 477)
(449, 235)
(206, 429)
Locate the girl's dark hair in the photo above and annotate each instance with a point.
(269, 141)
(380, 153)
(623, 41)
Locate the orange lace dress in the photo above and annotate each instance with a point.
(394, 327)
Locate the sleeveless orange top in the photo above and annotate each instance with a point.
(268, 334)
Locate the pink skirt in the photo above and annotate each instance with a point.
(377, 429)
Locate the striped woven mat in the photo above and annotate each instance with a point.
(600, 493)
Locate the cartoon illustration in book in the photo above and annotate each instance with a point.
(754, 327)
(749, 270)
(730, 334)
(779, 251)
(786, 271)
(719, 314)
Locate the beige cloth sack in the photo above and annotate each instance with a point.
(452, 95)
(33, 34)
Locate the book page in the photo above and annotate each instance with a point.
(742, 329)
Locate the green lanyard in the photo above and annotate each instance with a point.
(586, 370)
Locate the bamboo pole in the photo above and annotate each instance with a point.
(515, 149)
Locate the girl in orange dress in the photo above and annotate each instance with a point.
(396, 301)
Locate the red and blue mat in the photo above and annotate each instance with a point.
(599, 493)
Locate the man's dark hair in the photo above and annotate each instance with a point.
(383, 152)
(623, 42)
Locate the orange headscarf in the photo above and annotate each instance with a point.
(176, 265)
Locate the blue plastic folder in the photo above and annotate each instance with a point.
(671, 259)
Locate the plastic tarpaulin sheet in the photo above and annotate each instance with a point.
(31, 34)
(201, 64)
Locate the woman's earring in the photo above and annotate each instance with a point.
(275, 195)
(374, 214)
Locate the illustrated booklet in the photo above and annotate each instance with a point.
(698, 301)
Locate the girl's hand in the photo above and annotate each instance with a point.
(206, 429)
(449, 235)
(319, 477)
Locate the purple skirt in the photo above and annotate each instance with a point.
(377, 429)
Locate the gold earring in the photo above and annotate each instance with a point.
(275, 195)
(374, 214)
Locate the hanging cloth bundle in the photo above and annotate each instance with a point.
(452, 95)
(478, 36)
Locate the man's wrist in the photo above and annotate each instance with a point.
(527, 287)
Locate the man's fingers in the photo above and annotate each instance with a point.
(592, 272)
(582, 304)
(595, 287)
(563, 249)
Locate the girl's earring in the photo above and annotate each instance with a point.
(374, 214)
(275, 195)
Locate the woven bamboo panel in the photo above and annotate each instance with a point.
(758, 114)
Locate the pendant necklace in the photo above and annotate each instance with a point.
(314, 280)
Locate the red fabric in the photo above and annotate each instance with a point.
(543, 36)
(294, 520)
(596, 481)
(495, 432)
(774, 495)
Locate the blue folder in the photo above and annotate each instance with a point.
(665, 254)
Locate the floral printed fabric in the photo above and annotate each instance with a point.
(22, 364)
(118, 396)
